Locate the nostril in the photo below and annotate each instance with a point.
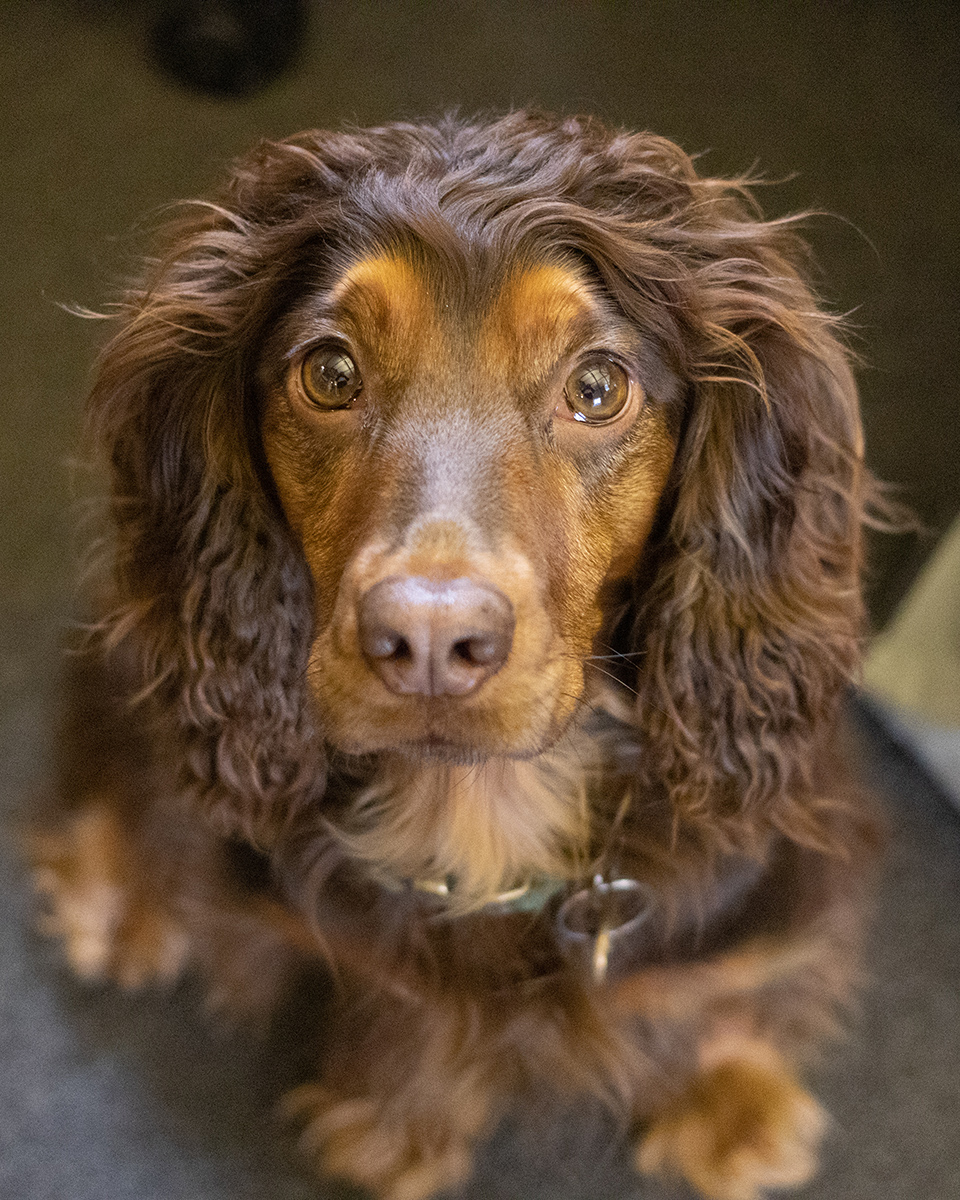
(464, 651)
(385, 645)
(476, 651)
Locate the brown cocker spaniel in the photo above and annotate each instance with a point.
(488, 504)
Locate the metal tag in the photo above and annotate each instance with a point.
(595, 924)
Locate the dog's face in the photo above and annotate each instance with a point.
(471, 461)
(401, 411)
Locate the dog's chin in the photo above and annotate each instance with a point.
(438, 750)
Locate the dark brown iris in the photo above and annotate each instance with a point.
(330, 378)
(597, 390)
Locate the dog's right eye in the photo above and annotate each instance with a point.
(330, 378)
(597, 391)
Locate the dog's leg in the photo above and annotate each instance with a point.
(745, 1021)
(138, 909)
(742, 1122)
(404, 1101)
(134, 883)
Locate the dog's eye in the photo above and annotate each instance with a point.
(597, 390)
(330, 377)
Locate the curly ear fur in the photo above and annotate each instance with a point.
(747, 621)
(207, 576)
(750, 631)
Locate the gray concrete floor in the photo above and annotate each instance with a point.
(101, 1097)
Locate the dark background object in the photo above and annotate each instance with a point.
(227, 47)
(853, 105)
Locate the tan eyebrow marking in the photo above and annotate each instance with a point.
(386, 302)
(533, 317)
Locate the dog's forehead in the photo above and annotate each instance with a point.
(412, 310)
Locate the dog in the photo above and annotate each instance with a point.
(487, 504)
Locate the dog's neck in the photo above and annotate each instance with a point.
(490, 827)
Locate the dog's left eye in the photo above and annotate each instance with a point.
(330, 378)
(597, 390)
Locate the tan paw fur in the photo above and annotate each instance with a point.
(740, 1128)
(356, 1140)
(109, 930)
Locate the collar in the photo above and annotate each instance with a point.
(532, 896)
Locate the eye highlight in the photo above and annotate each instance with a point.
(330, 378)
(597, 390)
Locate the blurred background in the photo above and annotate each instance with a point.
(112, 109)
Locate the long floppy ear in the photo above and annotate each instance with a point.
(208, 581)
(750, 630)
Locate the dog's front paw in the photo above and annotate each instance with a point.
(396, 1159)
(93, 904)
(740, 1128)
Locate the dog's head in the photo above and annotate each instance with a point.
(420, 432)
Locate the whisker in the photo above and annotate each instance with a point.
(618, 681)
(616, 656)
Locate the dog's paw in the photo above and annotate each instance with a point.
(740, 1128)
(92, 903)
(356, 1140)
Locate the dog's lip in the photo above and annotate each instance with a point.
(452, 752)
(445, 749)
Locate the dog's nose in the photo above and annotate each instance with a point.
(429, 637)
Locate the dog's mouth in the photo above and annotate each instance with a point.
(433, 749)
(516, 715)
(463, 742)
(446, 751)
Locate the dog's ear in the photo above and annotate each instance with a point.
(749, 632)
(208, 580)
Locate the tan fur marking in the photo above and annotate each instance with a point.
(490, 826)
(531, 319)
(86, 876)
(352, 1141)
(384, 298)
(743, 1125)
(415, 1143)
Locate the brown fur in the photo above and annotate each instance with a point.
(242, 792)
